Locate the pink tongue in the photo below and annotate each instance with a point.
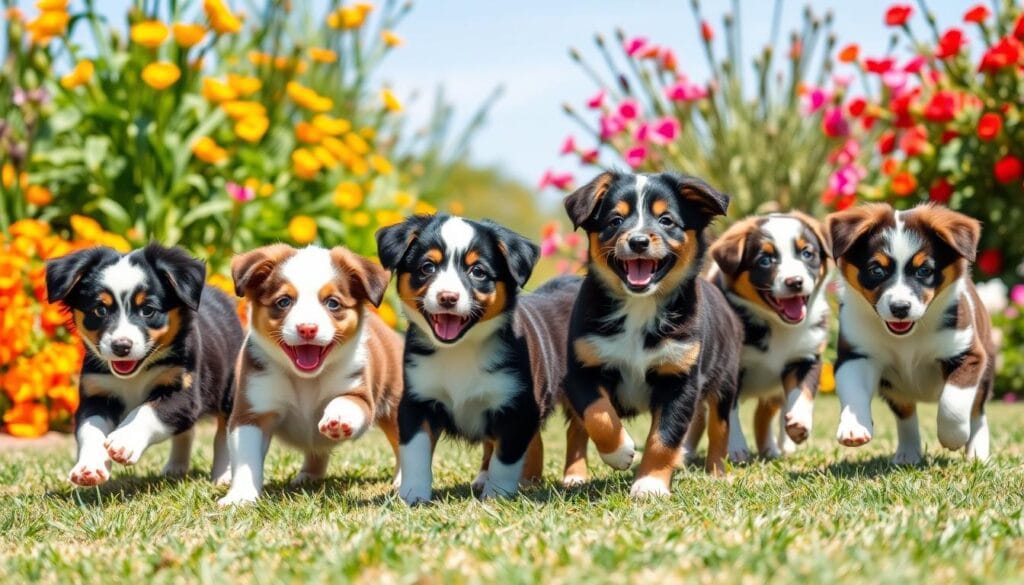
(899, 326)
(638, 272)
(447, 327)
(793, 308)
(307, 357)
(123, 366)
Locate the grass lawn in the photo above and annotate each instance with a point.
(827, 513)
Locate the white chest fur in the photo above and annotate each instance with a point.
(762, 370)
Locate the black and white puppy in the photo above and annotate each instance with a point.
(156, 358)
(647, 334)
(481, 363)
(772, 270)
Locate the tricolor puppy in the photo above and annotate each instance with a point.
(772, 270)
(318, 366)
(647, 334)
(911, 326)
(481, 362)
(156, 358)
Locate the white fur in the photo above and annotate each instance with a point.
(908, 441)
(457, 235)
(648, 487)
(978, 445)
(856, 384)
(502, 479)
(797, 415)
(902, 245)
(415, 459)
(122, 279)
(140, 429)
(737, 444)
(248, 449)
(93, 465)
(622, 457)
(954, 417)
(479, 481)
(344, 414)
(785, 231)
(308, 270)
(641, 195)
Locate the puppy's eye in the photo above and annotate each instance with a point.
(666, 221)
(764, 261)
(477, 272)
(876, 272)
(925, 272)
(615, 222)
(428, 267)
(332, 304)
(283, 303)
(147, 311)
(807, 254)
(100, 311)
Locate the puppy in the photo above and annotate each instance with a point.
(911, 326)
(772, 270)
(646, 333)
(481, 363)
(156, 358)
(318, 366)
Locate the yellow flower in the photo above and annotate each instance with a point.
(217, 91)
(302, 229)
(252, 129)
(456, 207)
(827, 380)
(266, 190)
(391, 39)
(151, 33)
(244, 85)
(208, 151)
(322, 55)
(50, 5)
(403, 198)
(221, 18)
(307, 98)
(358, 165)
(38, 195)
(348, 17)
(7, 175)
(79, 76)
(306, 165)
(85, 228)
(348, 195)
(161, 75)
(49, 24)
(331, 126)
(239, 109)
(357, 143)
(258, 58)
(424, 208)
(386, 217)
(381, 164)
(388, 315)
(391, 103)
(188, 35)
(308, 133)
(325, 157)
(360, 219)
(338, 149)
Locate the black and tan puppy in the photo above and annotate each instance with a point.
(156, 358)
(647, 333)
(482, 362)
(911, 326)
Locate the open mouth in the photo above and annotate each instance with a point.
(448, 326)
(791, 309)
(900, 327)
(641, 272)
(124, 367)
(307, 357)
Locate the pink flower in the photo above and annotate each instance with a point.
(572, 240)
(569, 146)
(635, 45)
(664, 131)
(842, 80)
(684, 91)
(562, 267)
(629, 110)
(641, 132)
(611, 125)
(847, 154)
(833, 124)
(589, 157)
(635, 156)
(549, 245)
(240, 193)
(914, 65)
(596, 101)
(846, 179)
(555, 179)
(1009, 398)
(895, 80)
(1017, 294)
(814, 100)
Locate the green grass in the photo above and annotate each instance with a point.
(825, 514)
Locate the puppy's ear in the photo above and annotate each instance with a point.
(825, 242)
(708, 200)
(520, 254)
(393, 241)
(63, 274)
(958, 231)
(369, 279)
(182, 272)
(581, 203)
(729, 248)
(846, 227)
(251, 269)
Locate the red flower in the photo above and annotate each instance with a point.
(887, 142)
(1008, 169)
(1018, 29)
(978, 14)
(941, 191)
(706, 32)
(856, 106)
(948, 136)
(914, 141)
(796, 49)
(950, 43)
(879, 65)
(903, 184)
(989, 126)
(898, 14)
(1005, 53)
(849, 53)
(942, 107)
(991, 262)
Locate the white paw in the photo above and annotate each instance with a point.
(480, 481)
(852, 434)
(239, 497)
(397, 482)
(88, 473)
(622, 457)
(906, 457)
(739, 454)
(175, 469)
(772, 451)
(124, 447)
(493, 491)
(648, 487)
(573, 481)
(342, 420)
(414, 496)
(304, 477)
(798, 423)
(224, 479)
(953, 436)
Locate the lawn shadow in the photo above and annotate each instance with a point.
(120, 488)
(877, 466)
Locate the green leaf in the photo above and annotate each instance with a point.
(204, 210)
(95, 151)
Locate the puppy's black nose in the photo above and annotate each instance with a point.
(639, 243)
(899, 309)
(794, 283)
(121, 347)
(447, 299)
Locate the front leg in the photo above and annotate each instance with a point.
(248, 441)
(416, 440)
(92, 423)
(514, 429)
(347, 417)
(857, 379)
(959, 400)
(588, 396)
(673, 401)
(142, 428)
(800, 382)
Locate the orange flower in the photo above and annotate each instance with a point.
(49, 24)
(252, 128)
(903, 184)
(348, 195)
(188, 35)
(849, 53)
(388, 315)
(150, 33)
(217, 91)
(27, 420)
(331, 126)
(322, 55)
(244, 85)
(827, 379)
(208, 151)
(79, 76)
(221, 18)
(357, 143)
(239, 109)
(349, 17)
(307, 98)
(306, 165)
(391, 39)
(302, 229)
(38, 195)
(308, 133)
(161, 75)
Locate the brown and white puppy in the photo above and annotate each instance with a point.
(772, 270)
(318, 366)
(911, 326)
(647, 334)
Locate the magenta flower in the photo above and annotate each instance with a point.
(635, 156)
(641, 133)
(635, 45)
(611, 125)
(569, 146)
(684, 91)
(589, 157)
(814, 100)
(240, 193)
(847, 154)
(629, 110)
(846, 179)
(549, 245)
(664, 131)
(1017, 294)
(555, 179)
(834, 124)
(596, 101)
(572, 239)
